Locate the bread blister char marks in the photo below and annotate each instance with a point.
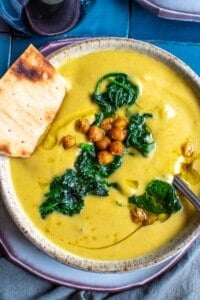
(31, 93)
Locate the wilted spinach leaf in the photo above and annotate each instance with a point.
(159, 197)
(139, 136)
(113, 91)
(66, 193)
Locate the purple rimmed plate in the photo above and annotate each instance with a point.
(175, 10)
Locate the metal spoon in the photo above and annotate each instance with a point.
(182, 187)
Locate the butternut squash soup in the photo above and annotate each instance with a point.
(99, 186)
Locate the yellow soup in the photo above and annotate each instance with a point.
(104, 229)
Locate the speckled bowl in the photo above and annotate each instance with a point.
(179, 243)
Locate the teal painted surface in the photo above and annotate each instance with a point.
(188, 52)
(145, 25)
(105, 18)
(5, 47)
(20, 43)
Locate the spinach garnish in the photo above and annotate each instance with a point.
(113, 91)
(88, 165)
(66, 193)
(139, 136)
(98, 119)
(160, 197)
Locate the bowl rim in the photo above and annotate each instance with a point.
(24, 223)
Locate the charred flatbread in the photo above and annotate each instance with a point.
(31, 92)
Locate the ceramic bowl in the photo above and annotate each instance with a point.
(177, 244)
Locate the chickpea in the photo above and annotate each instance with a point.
(116, 148)
(187, 149)
(68, 141)
(117, 134)
(95, 133)
(106, 124)
(104, 157)
(82, 125)
(138, 215)
(120, 122)
(103, 144)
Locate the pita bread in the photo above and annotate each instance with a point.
(31, 92)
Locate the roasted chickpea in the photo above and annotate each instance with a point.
(103, 144)
(95, 133)
(138, 215)
(120, 122)
(82, 125)
(116, 148)
(106, 124)
(104, 157)
(187, 149)
(117, 134)
(68, 141)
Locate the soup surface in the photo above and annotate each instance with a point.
(104, 229)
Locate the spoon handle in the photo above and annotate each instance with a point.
(182, 187)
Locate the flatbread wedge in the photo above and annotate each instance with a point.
(31, 93)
